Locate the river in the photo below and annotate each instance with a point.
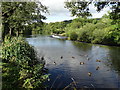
(88, 65)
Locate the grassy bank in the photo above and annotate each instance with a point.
(20, 66)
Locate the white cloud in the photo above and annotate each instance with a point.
(56, 10)
(55, 6)
(59, 13)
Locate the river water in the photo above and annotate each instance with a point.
(64, 59)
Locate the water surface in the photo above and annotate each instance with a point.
(68, 69)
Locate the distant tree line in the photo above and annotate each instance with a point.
(105, 30)
(99, 30)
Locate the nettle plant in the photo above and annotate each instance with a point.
(18, 53)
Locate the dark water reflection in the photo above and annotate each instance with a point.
(63, 70)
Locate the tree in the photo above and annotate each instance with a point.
(81, 9)
(17, 15)
(114, 6)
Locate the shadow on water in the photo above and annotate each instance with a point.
(89, 65)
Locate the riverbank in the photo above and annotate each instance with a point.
(59, 36)
(104, 31)
(97, 43)
(21, 68)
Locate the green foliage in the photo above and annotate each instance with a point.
(85, 33)
(99, 35)
(21, 67)
(10, 75)
(65, 27)
(79, 9)
(114, 15)
(99, 30)
(16, 16)
(82, 9)
(116, 35)
(73, 36)
(103, 32)
(55, 28)
(113, 36)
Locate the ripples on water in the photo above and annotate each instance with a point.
(104, 74)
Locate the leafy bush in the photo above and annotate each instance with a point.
(21, 67)
(116, 33)
(56, 28)
(73, 36)
(106, 35)
(98, 36)
(85, 33)
(113, 36)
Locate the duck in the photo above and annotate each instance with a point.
(42, 58)
(88, 58)
(81, 63)
(97, 67)
(98, 60)
(73, 57)
(54, 62)
(61, 57)
(89, 73)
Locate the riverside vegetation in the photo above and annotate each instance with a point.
(101, 31)
(105, 30)
(20, 66)
(21, 69)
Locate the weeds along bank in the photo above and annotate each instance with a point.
(20, 66)
(100, 31)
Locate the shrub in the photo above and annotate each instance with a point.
(107, 35)
(113, 35)
(85, 33)
(98, 36)
(116, 33)
(21, 67)
(73, 36)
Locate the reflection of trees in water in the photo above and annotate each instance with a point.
(114, 56)
(83, 46)
(62, 41)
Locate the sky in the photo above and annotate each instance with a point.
(57, 12)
